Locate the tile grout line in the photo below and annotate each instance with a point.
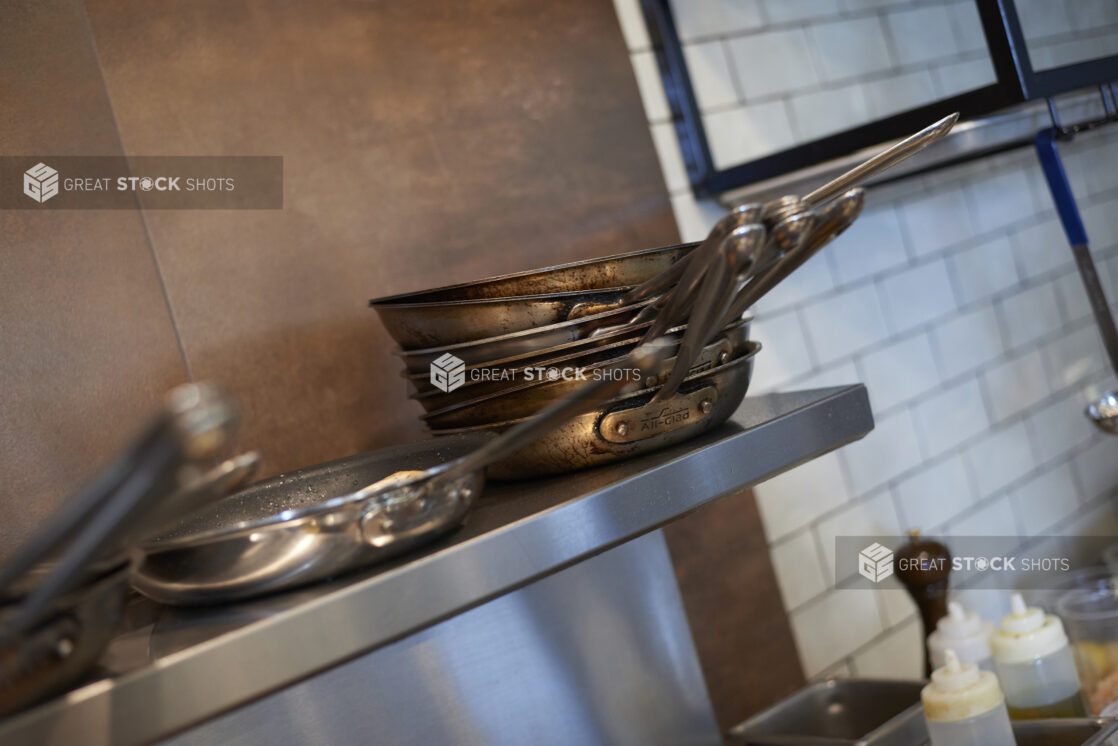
(139, 209)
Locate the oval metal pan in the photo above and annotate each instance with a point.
(619, 270)
(573, 354)
(526, 342)
(594, 438)
(527, 398)
(420, 386)
(420, 325)
(84, 619)
(300, 527)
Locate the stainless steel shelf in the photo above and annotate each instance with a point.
(174, 669)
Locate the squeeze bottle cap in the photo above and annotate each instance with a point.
(1022, 619)
(959, 691)
(962, 631)
(1027, 633)
(958, 623)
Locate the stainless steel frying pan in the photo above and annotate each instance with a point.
(525, 398)
(420, 325)
(304, 526)
(501, 305)
(619, 270)
(293, 530)
(493, 375)
(551, 337)
(628, 425)
(487, 376)
(66, 640)
(437, 318)
(62, 593)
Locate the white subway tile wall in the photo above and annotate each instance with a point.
(826, 626)
(894, 655)
(954, 297)
(931, 496)
(876, 516)
(714, 86)
(798, 497)
(949, 417)
(799, 572)
(900, 371)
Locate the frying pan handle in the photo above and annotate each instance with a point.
(886, 159)
(633, 424)
(832, 219)
(418, 515)
(647, 358)
(1060, 187)
(196, 422)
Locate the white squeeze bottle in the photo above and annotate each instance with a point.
(964, 632)
(964, 706)
(1035, 664)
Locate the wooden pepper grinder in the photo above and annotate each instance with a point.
(923, 566)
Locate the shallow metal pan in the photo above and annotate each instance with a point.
(62, 592)
(65, 643)
(841, 712)
(525, 398)
(295, 529)
(420, 325)
(619, 270)
(1066, 732)
(551, 337)
(628, 425)
(422, 389)
(582, 352)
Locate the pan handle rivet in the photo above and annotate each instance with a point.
(622, 428)
(723, 357)
(650, 382)
(64, 647)
(705, 406)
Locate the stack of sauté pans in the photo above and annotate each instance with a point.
(482, 356)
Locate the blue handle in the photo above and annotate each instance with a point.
(1060, 188)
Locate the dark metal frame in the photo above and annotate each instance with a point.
(1017, 82)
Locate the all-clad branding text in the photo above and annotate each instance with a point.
(664, 418)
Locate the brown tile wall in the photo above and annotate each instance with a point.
(87, 346)
(734, 607)
(424, 143)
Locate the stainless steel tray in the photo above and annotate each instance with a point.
(841, 712)
(865, 712)
(1067, 732)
